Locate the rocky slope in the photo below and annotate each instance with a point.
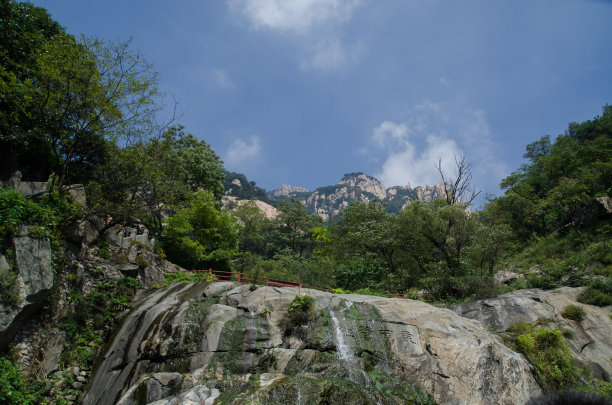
(223, 343)
(591, 338)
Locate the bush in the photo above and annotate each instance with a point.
(598, 293)
(300, 312)
(574, 312)
(185, 277)
(547, 351)
(8, 293)
(14, 390)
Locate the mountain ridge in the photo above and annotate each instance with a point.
(328, 201)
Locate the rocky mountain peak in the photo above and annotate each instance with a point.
(287, 190)
(365, 183)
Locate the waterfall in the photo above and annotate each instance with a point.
(344, 352)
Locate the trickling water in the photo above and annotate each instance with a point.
(299, 398)
(344, 351)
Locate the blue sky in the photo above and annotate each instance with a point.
(303, 91)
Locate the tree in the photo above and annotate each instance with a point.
(74, 96)
(24, 29)
(152, 179)
(367, 229)
(294, 227)
(555, 192)
(458, 190)
(201, 236)
(254, 226)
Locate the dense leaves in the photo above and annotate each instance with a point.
(556, 191)
(201, 236)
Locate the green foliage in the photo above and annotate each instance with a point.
(16, 210)
(299, 313)
(185, 277)
(201, 236)
(598, 293)
(549, 354)
(555, 192)
(247, 190)
(294, 227)
(93, 318)
(574, 312)
(150, 179)
(8, 291)
(142, 261)
(360, 272)
(15, 390)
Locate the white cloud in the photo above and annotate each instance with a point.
(328, 55)
(293, 15)
(407, 164)
(222, 79)
(241, 152)
(433, 131)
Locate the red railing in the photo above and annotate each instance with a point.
(245, 278)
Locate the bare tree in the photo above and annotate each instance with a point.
(458, 189)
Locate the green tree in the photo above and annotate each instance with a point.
(24, 29)
(201, 235)
(366, 228)
(555, 192)
(294, 228)
(151, 179)
(71, 97)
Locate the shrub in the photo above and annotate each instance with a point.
(547, 351)
(142, 261)
(300, 312)
(185, 277)
(598, 293)
(574, 312)
(14, 389)
(8, 293)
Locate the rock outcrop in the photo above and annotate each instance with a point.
(591, 340)
(328, 201)
(287, 191)
(193, 343)
(33, 281)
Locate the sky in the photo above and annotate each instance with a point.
(303, 91)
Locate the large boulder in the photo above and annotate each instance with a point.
(190, 343)
(591, 341)
(33, 282)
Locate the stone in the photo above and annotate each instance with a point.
(216, 333)
(82, 232)
(591, 343)
(34, 282)
(606, 203)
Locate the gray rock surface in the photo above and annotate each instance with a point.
(592, 338)
(227, 339)
(34, 281)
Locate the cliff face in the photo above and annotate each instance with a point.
(328, 201)
(224, 343)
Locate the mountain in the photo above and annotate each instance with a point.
(328, 201)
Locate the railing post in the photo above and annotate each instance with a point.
(210, 271)
(267, 281)
(238, 276)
